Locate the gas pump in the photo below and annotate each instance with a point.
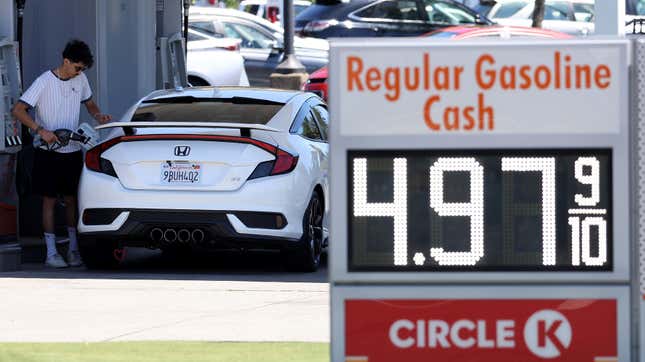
(9, 93)
(10, 144)
(173, 62)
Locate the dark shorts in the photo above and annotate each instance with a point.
(56, 174)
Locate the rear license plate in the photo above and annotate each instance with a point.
(180, 173)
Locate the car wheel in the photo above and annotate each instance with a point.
(306, 256)
(98, 254)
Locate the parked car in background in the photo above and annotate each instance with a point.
(317, 82)
(198, 39)
(217, 168)
(370, 18)
(261, 44)
(568, 16)
(496, 31)
(259, 8)
(214, 61)
(506, 8)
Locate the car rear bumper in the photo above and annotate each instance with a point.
(159, 228)
(225, 213)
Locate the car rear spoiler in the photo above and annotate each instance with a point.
(245, 128)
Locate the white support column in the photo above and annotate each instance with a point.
(610, 17)
(638, 224)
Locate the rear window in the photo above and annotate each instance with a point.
(443, 12)
(394, 10)
(206, 112)
(557, 11)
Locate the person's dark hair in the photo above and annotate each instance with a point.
(78, 52)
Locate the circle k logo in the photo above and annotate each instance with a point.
(547, 333)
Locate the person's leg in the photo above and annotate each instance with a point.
(73, 164)
(49, 204)
(70, 210)
(70, 213)
(45, 183)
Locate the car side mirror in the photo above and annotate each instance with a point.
(277, 47)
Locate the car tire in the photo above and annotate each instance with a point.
(98, 254)
(305, 257)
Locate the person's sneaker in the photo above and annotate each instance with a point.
(56, 261)
(74, 258)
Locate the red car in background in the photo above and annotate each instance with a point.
(504, 32)
(317, 82)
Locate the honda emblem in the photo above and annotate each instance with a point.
(182, 150)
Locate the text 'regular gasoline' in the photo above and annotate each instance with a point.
(563, 73)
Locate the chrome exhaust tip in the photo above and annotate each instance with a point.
(183, 236)
(170, 235)
(197, 235)
(156, 235)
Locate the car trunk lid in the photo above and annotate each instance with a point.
(192, 156)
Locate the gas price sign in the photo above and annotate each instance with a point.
(488, 161)
(480, 210)
(481, 204)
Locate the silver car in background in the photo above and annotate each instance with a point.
(573, 17)
(261, 41)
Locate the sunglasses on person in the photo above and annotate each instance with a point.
(80, 68)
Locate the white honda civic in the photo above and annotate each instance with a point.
(239, 168)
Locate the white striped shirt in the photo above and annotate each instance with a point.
(58, 102)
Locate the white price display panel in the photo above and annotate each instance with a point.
(486, 161)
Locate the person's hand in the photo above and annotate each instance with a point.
(48, 136)
(102, 118)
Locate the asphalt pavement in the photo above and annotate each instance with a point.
(226, 296)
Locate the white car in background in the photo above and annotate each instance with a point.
(214, 61)
(225, 167)
(573, 17)
(261, 44)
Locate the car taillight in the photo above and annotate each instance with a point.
(319, 25)
(284, 163)
(95, 162)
